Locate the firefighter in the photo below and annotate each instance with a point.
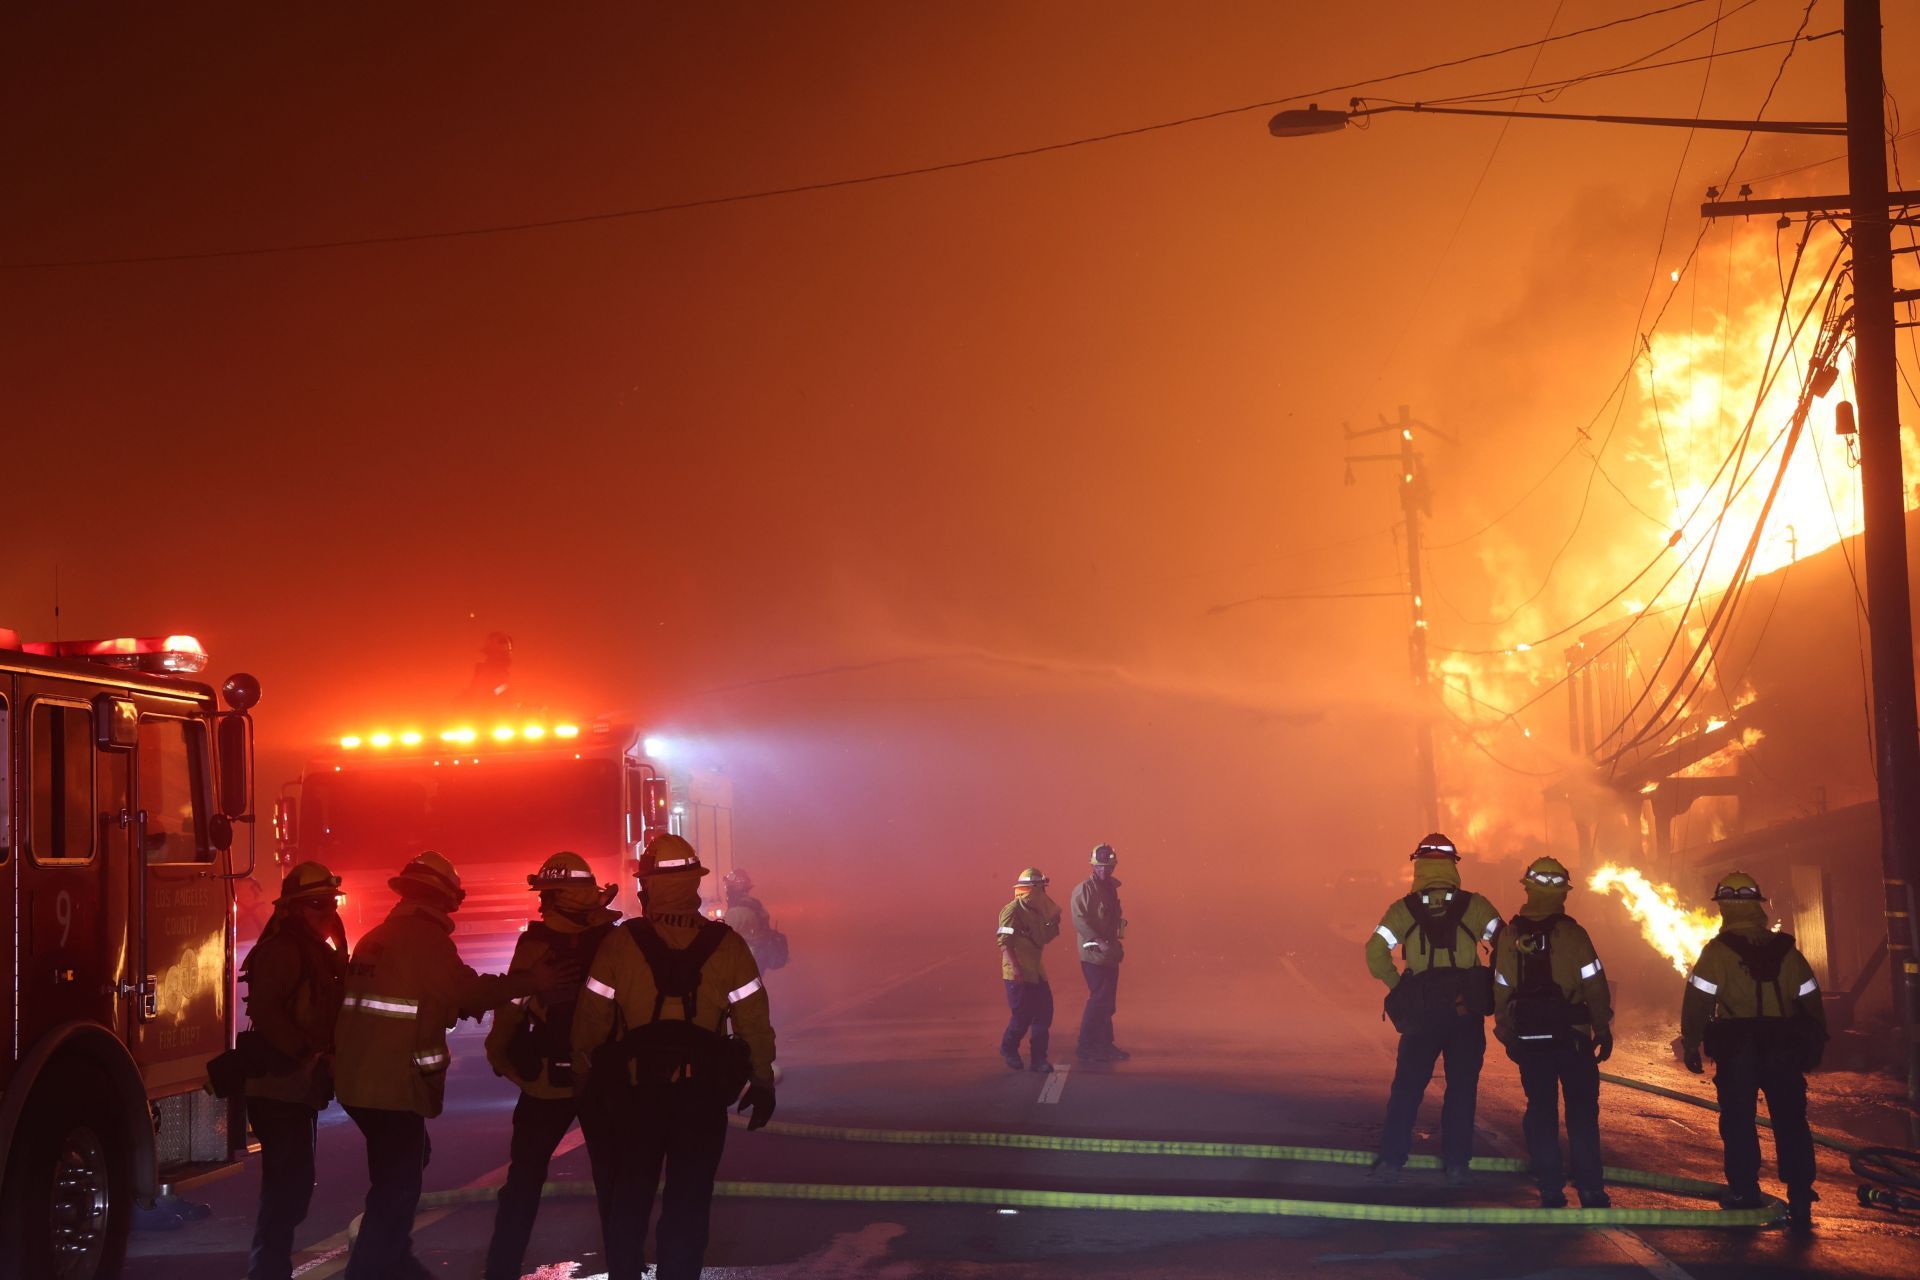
(405, 987)
(1096, 918)
(531, 1044)
(1752, 1004)
(1552, 1010)
(746, 916)
(1027, 924)
(296, 976)
(1438, 1005)
(655, 1070)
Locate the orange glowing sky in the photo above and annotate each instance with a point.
(1011, 430)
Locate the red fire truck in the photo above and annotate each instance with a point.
(121, 784)
(496, 795)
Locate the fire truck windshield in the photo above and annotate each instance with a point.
(503, 810)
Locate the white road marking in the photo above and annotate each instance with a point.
(1642, 1254)
(329, 1256)
(1055, 1085)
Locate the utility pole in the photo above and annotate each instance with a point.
(1415, 500)
(1896, 736)
(1896, 724)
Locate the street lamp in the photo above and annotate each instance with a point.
(1300, 124)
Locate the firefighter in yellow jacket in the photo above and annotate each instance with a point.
(1553, 1011)
(405, 987)
(531, 1044)
(656, 1070)
(1027, 924)
(1438, 1005)
(1752, 1004)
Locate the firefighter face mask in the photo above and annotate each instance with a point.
(1744, 917)
(584, 904)
(1430, 873)
(671, 894)
(1545, 899)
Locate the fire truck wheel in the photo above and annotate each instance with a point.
(69, 1189)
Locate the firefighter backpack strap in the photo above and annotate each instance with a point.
(659, 958)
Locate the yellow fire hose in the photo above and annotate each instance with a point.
(1253, 1206)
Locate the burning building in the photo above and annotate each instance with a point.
(1748, 749)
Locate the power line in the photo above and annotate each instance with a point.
(1426, 284)
(1659, 315)
(681, 206)
(1737, 486)
(1307, 595)
(1722, 617)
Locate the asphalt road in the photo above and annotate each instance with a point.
(1294, 1055)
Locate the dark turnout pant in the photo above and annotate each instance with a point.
(287, 1133)
(1032, 1006)
(1462, 1042)
(1103, 995)
(397, 1154)
(538, 1126)
(1740, 1077)
(629, 1143)
(1548, 1074)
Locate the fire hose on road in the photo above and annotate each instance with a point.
(1892, 1174)
(1891, 1170)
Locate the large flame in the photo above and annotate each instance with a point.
(1680, 417)
(1676, 932)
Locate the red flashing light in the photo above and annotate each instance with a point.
(161, 654)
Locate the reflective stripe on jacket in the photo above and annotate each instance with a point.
(1719, 985)
(619, 996)
(405, 987)
(1096, 919)
(1023, 930)
(1577, 972)
(1399, 930)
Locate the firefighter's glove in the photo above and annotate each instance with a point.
(1693, 1060)
(758, 1099)
(555, 981)
(1602, 1046)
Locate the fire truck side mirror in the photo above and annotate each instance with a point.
(116, 723)
(659, 801)
(220, 832)
(286, 823)
(235, 744)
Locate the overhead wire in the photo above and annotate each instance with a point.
(891, 175)
(1737, 484)
(1619, 386)
(1413, 311)
(1771, 371)
(1680, 693)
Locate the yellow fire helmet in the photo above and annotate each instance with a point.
(308, 880)
(1548, 873)
(666, 855)
(1738, 886)
(560, 870)
(432, 870)
(1030, 878)
(1435, 846)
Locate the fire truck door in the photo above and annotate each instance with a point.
(72, 918)
(180, 1008)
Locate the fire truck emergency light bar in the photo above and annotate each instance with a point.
(381, 739)
(173, 655)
